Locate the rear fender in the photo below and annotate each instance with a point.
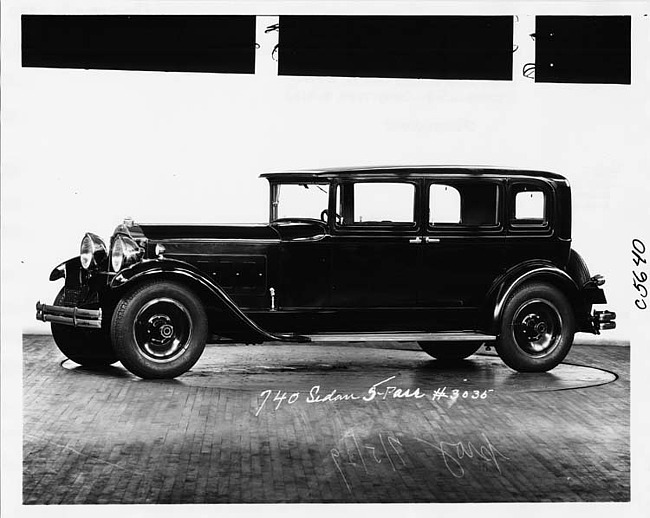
(525, 273)
(151, 269)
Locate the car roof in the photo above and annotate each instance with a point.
(396, 172)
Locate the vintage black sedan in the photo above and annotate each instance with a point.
(450, 257)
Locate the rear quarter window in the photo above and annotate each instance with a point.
(530, 205)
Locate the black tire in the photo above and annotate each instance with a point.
(159, 330)
(537, 329)
(87, 347)
(450, 351)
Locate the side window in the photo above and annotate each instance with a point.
(383, 202)
(444, 204)
(530, 207)
(378, 203)
(467, 204)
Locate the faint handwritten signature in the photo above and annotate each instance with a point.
(456, 456)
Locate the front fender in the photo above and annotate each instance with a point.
(173, 268)
(74, 263)
(530, 271)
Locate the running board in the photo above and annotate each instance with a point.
(459, 336)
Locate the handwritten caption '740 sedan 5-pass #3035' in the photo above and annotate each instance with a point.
(450, 257)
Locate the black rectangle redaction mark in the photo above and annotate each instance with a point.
(583, 49)
(431, 47)
(200, 43)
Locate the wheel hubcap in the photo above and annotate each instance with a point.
(537, 327)
(162, 329)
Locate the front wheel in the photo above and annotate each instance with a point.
(450, 351)
(537, 329)
(87, 347)
(159, 330)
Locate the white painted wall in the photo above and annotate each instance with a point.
(83, 149)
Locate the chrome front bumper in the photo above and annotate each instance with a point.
(76, 317)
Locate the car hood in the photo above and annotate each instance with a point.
(160, 232)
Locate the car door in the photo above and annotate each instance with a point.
(374, 246)
(463, 245)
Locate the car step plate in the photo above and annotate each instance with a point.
(459, 336)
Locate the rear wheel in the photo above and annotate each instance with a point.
(450, 351)
(537, 329)
(159, 330)
(87, 347)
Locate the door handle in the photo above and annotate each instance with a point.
(431, 240)
(415, 240)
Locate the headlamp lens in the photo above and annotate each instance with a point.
(92, 250)
(125, 252)
(86, 252)
(117, 254)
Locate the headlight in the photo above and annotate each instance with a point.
(92, 251)
(125, 251)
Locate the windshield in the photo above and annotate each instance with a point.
(299, 201)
